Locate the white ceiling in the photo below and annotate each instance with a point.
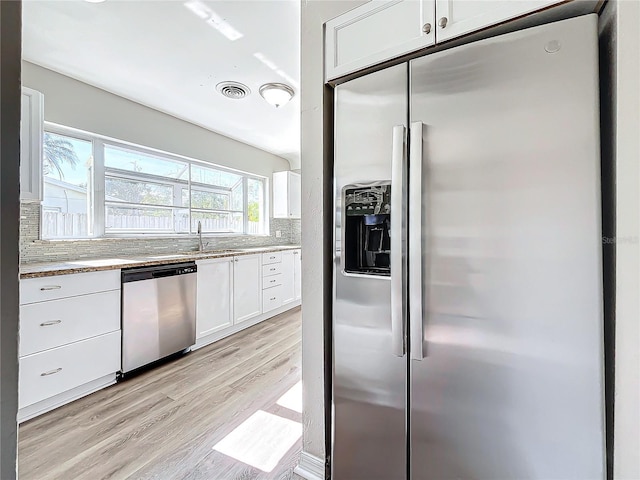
(163, 55)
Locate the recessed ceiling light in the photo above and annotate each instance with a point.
(277, 94)
(94, 1)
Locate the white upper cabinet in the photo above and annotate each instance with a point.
(31, 136)
(287, 191)
(459, 17)
(382, 30)
(214, 305)
(247, 287)
(377, 31)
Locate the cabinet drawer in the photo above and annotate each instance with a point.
(55, 323)
(273, 269)
(274, 257)
(62, 286)
(271, 299)
(272, 281)
(45, 374)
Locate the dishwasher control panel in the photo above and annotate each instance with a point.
(137, 274)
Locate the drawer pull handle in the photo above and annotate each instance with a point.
(273, 298)
(50, 287)
(50, 322)
(272, 258)
(51, 372)
(272, 269)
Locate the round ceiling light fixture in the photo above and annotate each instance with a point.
(234, 90)
(277, 94)
(94, 1)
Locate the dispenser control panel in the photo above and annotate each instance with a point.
(367, 239)
(372, 200)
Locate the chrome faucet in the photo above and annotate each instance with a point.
(200, 245)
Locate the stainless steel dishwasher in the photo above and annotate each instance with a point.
(158, 312)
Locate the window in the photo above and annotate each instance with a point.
(67, 169)
(141, 191)
(217, 200)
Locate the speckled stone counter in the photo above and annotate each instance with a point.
(34, 270)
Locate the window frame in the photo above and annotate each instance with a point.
(97, 226)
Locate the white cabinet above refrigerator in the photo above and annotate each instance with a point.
(377, 31)
(459, 17)
(382, 30)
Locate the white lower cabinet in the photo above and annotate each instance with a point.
(271, 269)
(271, 298)
(49, 373)
(247, 287)
(297, 275)
(55, 323)
(214, 310)
(288, 290)
(235, 293)
(70, 338)
(42, 289)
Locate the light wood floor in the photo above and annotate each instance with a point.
(164, 423)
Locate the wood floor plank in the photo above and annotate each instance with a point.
(163, 424)
(202, 435)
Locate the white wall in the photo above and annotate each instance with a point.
(76, 104)
(627, 343)
(314, 236)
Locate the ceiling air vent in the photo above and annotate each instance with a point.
(233, 90)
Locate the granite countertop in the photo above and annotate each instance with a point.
(34, 270)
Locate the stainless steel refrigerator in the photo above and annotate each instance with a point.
(467, 302)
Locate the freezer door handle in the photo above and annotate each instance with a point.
(416, 262)
(398, 229)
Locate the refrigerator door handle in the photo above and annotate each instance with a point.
(416, 310)
(398, 229)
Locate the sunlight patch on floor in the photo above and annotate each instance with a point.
(261, 440)
(292, 399)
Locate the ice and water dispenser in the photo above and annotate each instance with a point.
(367, 239)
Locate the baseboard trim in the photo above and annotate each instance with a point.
(214, 337)
(310, 467)
(51, 403)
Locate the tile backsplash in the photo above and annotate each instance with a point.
(32, 249)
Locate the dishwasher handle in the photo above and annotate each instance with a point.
(170, 273)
